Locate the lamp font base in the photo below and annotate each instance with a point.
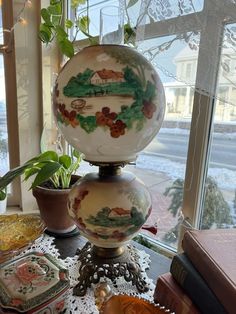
(97, 263)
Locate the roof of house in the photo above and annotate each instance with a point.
(109, 74)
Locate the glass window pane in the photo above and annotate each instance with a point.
(219, 207)
(1, 28)
(161, 166)
(157, 10)
(4, 161)
(163, 10)
(94, 16)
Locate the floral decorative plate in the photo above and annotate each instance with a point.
(34, 283)
(17, 232)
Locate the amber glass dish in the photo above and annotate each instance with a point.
(125, 304)
(17, 232)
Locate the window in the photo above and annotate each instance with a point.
(20, 61)
(183, 40)
(8, 114)
(200, 90)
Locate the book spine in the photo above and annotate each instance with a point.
(206, 266)
(170, 295)
(194, 285)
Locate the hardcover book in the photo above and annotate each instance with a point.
(169, 294)
(194, 285)
(213, 253)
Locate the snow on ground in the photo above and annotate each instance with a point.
(186, 132)
(225, 178)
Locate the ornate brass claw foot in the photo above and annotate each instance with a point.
(97, 263)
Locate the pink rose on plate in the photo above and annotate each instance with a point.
(59, 306)
(16, 302)
(27, 273)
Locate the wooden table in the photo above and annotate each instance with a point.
(159, 263)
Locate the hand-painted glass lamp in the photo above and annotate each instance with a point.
(109, 103)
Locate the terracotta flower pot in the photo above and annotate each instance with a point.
(52, 205)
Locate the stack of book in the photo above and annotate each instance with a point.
(203, 278)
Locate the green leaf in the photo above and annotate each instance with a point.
(93, 40)
(30, 172)
(66, 47)
(87, 123)
(55, 9)
(65, 161)
(131, 3)
(60, 33)
(129, 34)
(75, 3)
(68, 23)
(11, 175)
(46, 16)
(76, 153)
(53, 2)
(45, 33)
(150, 91)
(56, 20)
(83, 23)
(2, 195)
(46, 156)
(45, 173)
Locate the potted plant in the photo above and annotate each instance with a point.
(53, 177)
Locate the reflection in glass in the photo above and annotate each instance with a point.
(219, 208)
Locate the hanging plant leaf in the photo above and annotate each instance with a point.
(46, 16)
(66, 47)
(55, 9)
(83, 23)
(45, 33)
(131, 3)
(75, 3)
(68, 23)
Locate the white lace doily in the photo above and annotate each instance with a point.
(86, 304)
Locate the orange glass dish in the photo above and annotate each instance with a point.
(17, 232)
(124, 304)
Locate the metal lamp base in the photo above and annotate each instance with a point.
(97, 263)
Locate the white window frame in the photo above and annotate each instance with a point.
(24, 132)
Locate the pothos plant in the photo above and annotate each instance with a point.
(46, 167)
(55, 27)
